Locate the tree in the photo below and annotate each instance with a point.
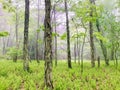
(48, 45)
(68, 36)
(91, 36)
(54, 9)
(37, 32)
(103, 47)
(25, 45)
(83, 44)
(77, 44)
(16, 31)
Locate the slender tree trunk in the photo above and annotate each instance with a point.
(79, 51)
(112, 52)
(104, 49)
(48, 45)
(68, 36)
(98, 61)
(75, 45)
(82, 48)
(75, 51)
(116, 49)
(55, 36)
(16, 31)
(37, 32)
(25, 45)
(4, 46)
(8, 38)
(92, 38)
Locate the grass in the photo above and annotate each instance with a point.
(12, 77)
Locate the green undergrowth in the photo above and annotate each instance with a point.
(13, 77)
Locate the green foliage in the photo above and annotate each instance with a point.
(12, 52)
(8, 6)
(63, 36)
(41, 28)
(13, 77)
(2, 34)
(99, 36)
(55, 34)
(83, 9)
(38, 30)
(79, 35)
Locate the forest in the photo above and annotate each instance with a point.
(59, 44)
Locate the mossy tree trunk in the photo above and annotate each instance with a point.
(25, 45)
(68, 37)
(48, 45)
(92, 37)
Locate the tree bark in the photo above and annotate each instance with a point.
(48, 45)
(98, 61)
(104, 49)
(115, 55)
(82, 47)
(37, 32)
(16, 31)
(4, 46)
(75, 51)
(68, 37)
(112, 51)
(25, 45)
(55, 36)
(92, 38)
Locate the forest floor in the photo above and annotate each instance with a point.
(12, 77)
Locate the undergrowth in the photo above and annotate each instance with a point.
(13, 77)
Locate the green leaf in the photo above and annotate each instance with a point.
(99, 36)
(55, 34)
(63, 37)
(3, 34)
(38, 30)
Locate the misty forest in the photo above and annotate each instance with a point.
(59, 44)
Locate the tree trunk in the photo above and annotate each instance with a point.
(75, 51)
(37, 32)
(112, 52)
(98, 61)
(92, 38)
(82, 50)
(79, 51)
(25, 45)
(82, 47)
(55, 36)
(68, 37)
(16, 31)
(104, 49)
(4, 46)
(116, 49)
(48, 45)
